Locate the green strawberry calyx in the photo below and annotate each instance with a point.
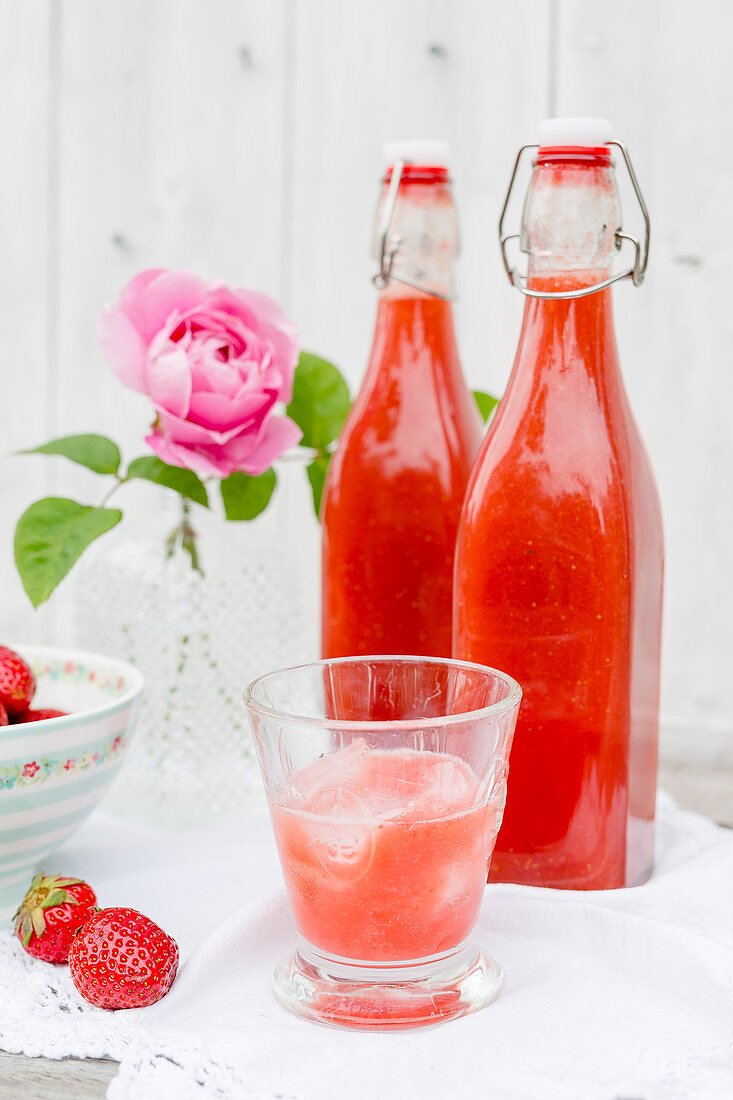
(46, 891)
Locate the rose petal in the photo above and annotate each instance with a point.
(169, 381)
(150, 304)
(211, 374)
(228, 328)
(201, 461)
(263, 316)
(131, 291)
(273, 381)
(190, 434)
(279, 435)
(123, 348)
(219, 413)
(253, 306)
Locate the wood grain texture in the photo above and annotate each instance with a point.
(661, 72)
(367, 74)
(167, 118)
(24, 1078)
(26, 269)
(170, 124)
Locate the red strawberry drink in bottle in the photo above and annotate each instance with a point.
(559, 557)
(396, 482)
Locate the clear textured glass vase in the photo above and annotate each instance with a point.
(197, 636)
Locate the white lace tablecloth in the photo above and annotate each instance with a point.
(625, 995)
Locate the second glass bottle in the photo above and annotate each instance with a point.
(397, 481)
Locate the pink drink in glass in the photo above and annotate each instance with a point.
(386, 780)
(384, 852)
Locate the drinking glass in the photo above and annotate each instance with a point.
(386, 782)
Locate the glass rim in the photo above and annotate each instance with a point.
(513, 697)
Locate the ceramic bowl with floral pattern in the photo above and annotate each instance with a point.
(54, 772)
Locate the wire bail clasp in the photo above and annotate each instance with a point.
(389, 243)
(637, 270)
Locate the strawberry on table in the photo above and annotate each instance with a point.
(17, 682)
(50, 913)
(122, 959)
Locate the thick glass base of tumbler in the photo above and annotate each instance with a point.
(419, 993)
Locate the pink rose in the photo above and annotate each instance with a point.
(214, 362)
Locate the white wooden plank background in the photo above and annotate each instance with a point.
(400, 70)
(663, 73)
(242, 138)
(26, 270)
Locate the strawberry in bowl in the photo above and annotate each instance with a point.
(17, 684)
(42, 715)
(17, 688)
(56, 767)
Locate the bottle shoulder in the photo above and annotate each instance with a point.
(427, 441)
(549, 460)
(413, 401)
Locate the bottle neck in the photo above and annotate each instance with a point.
(568, 348)
(571, 216)
(414, 336)
(423, 234)
(567, 362)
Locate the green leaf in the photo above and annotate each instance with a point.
(320, 401)
(96, 452)
(57, 897)
(317, 471)
(49, 538)
(26, 929)
(39, 921)
(486, 403)
(244, 496)
(185, 482)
